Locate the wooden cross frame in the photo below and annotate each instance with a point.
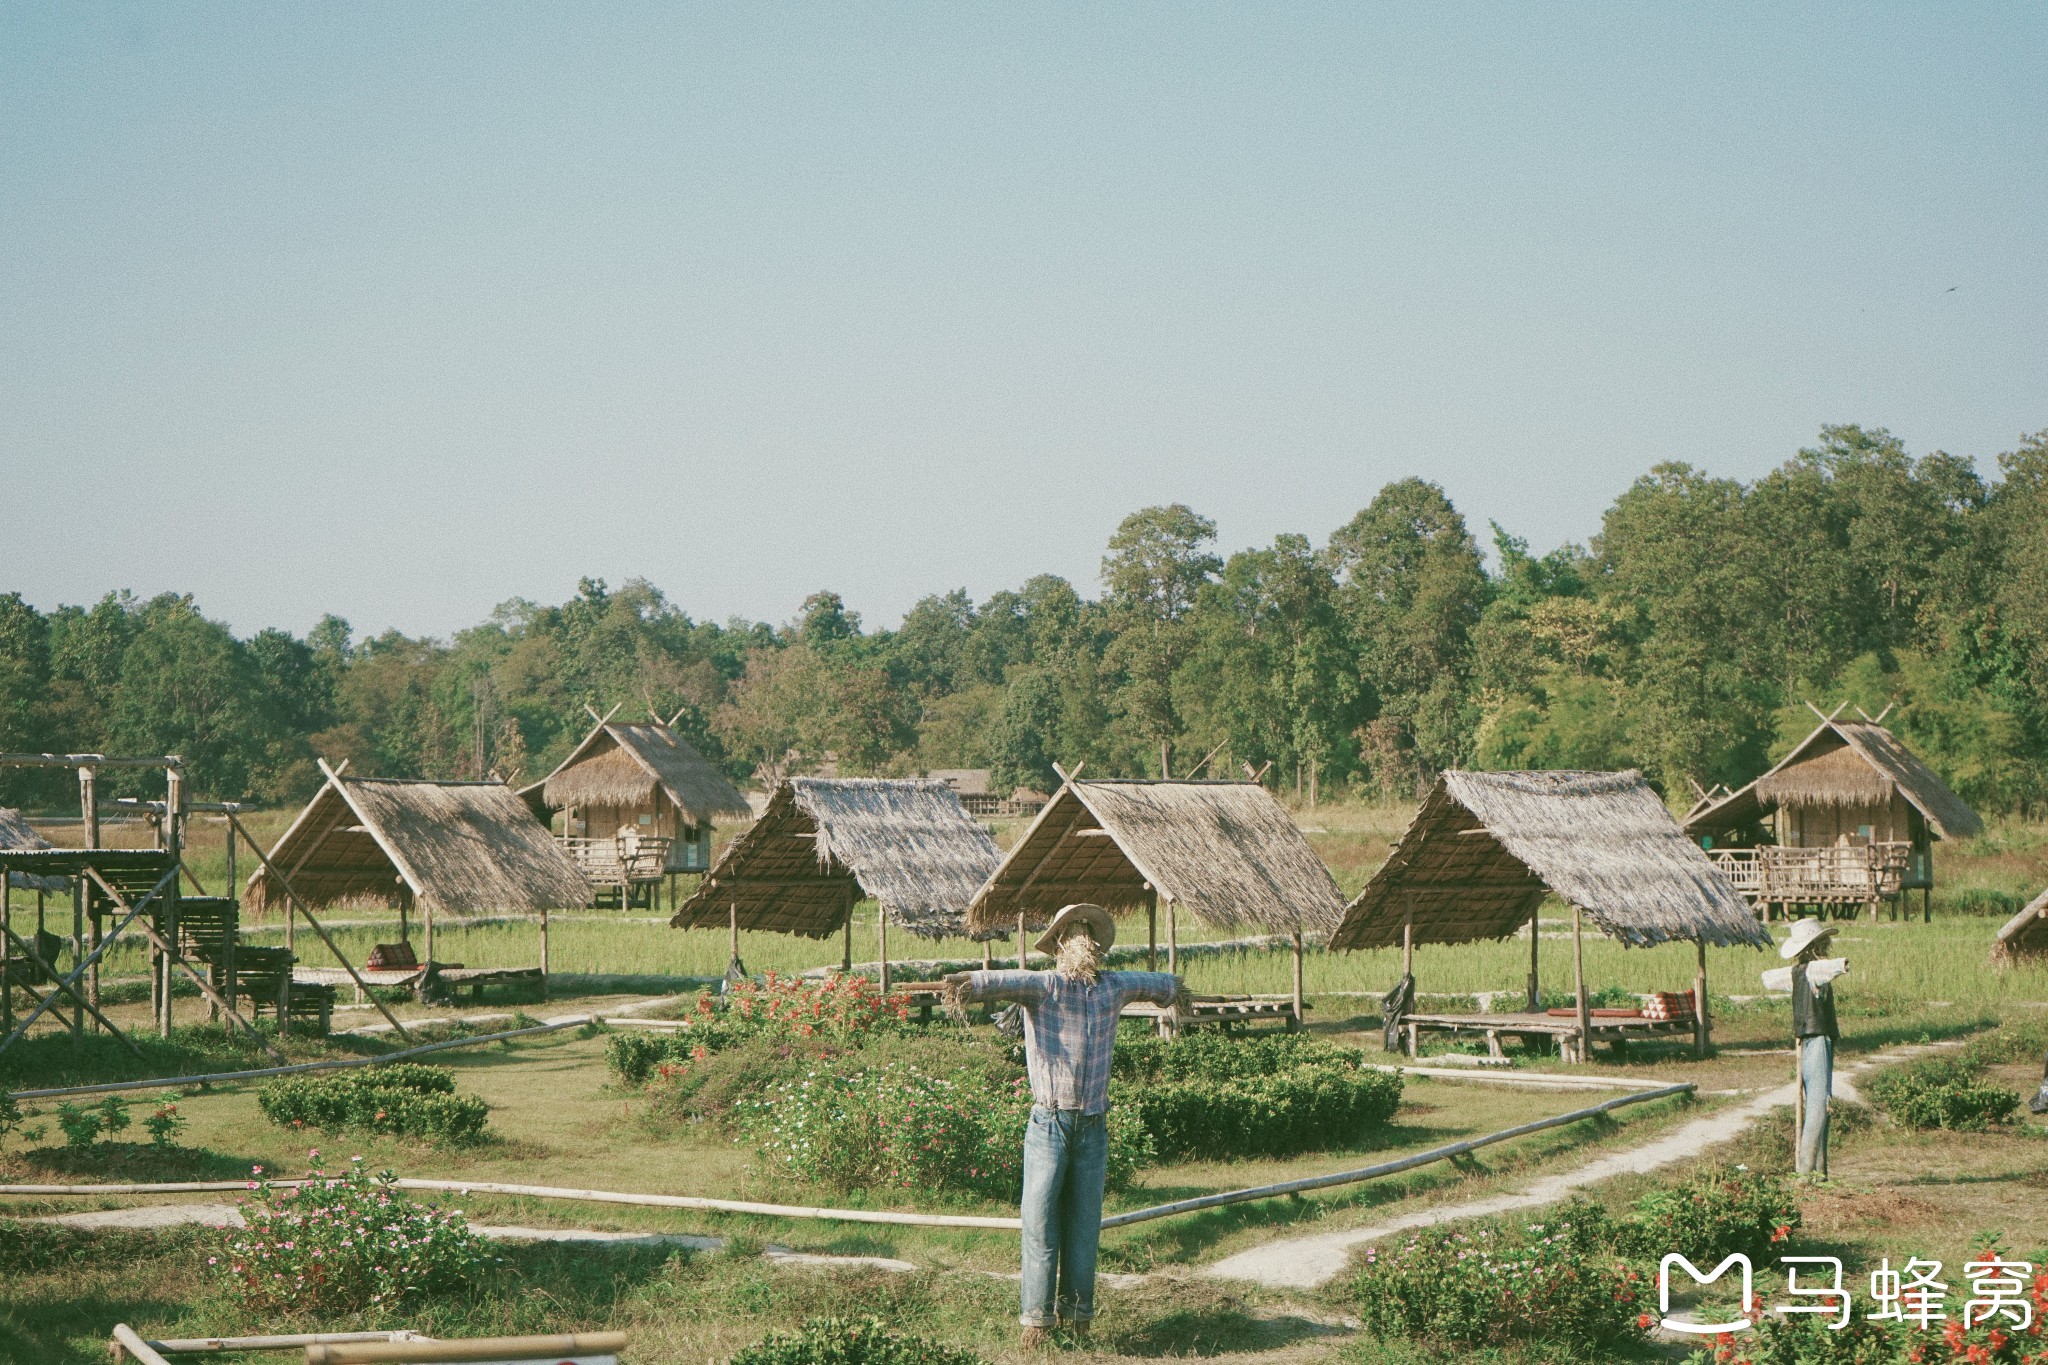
(83, 967)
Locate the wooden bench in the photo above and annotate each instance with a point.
(442, 982)
(1230, 1013)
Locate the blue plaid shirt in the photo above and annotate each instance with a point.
(1070, 1027)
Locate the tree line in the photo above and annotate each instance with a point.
(1685, 639)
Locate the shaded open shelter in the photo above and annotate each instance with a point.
(17, 835)
(1227, 853)
(446, 848)
(1486, 848)
(825, 843)
(1848, 818)
(2025, 935)
(637, 804)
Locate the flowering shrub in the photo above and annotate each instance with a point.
(1715, 1213)
(842, 1341)
(896, 1126)
(401, 1099)
(165, 1122)
(348, 1242)
(82, 1126)
(1557, 1281)
(1942, 1093)
(1787, 1340)
(841, 1008)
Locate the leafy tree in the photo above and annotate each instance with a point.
(1158, 562)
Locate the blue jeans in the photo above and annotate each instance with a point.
(1817, 1072)
(1066, 1154)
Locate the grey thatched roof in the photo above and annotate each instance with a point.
(2025, 934)
(1227, 851)
(15, 833)
(1843, 763)
(827, 842)
(622, 765)
(458, 847)
(1486, 847)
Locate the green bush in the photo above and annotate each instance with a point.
(1942, 1093)
(1308, 1108)
(1209, 1054)
(1558, 1281)
(897, 1126)
(1715, 1213)
(83, 1126)
(402, 1099)
(1813, 1339)
(856, 1341)
(349, 1243)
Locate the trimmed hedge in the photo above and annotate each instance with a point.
(402, 1099)
(1309, 1108)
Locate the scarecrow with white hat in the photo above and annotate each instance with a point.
(1070, 1018)
(1815, 1031)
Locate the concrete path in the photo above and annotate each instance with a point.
(1307, 1262)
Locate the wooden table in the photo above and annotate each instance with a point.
(1565, 1029)
(1227, 1012)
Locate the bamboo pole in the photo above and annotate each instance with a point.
(1300, 1008)
(734, 968)
(1151, 928)
(78, 895)
(127, 1344)
(543, 952)
(1172, 937)
(1407, 1163)
(292, 897)
(174, 844)
(89, 816)
(1701, 1030)
(545, 1348)
(283, 1342)
(1579, 986)
(1408, 936)
(34, 955)
(1021, 963)
(846, 947)
(1535, 986)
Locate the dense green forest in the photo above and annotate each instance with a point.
(1685, 640)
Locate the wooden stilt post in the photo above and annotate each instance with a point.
(882, 942)
(235, 895)
(543, 952)
(1172, 938)
(78, 894)
(1700, 1033)
(174, 844)
(1579, 986)
(1300, 1011)
(1022, 963)
(988, 955)
(733, 967)
(1408, 935)
(846, 950)
(1535, 988)
(89, 813)
(1151, 928)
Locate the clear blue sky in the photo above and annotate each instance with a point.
(401, 310)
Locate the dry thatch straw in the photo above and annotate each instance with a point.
(1227, 851)
(826, 842)
(624, 765)
(2025, 934)
(15, 834)
(1855, 764)
(454, 847)
(1486, 847)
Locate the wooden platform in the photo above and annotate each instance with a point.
(1527, 1027)
(1227, 1012)
(438, 981)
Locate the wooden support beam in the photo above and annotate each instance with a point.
(32, 955)
(93, 957)
(1579, 986)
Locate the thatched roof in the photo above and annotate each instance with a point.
(458, 847)
(966, 781)
(16, 834)
(1227, 851)
(1842, 763)
(1486, 847)
(622, 765)
(2025, 934)
(827, 842)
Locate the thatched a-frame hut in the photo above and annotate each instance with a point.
(1851, 787)
(1225, 852)
(825, 843)
(2025, 934)
(1485, 848)
(17, 834)
(459, 848)
(637, 804)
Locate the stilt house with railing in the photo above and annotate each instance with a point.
(636, 805)
(1848, 819)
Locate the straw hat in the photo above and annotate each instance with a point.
(1096, 919)
(1804, 935)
